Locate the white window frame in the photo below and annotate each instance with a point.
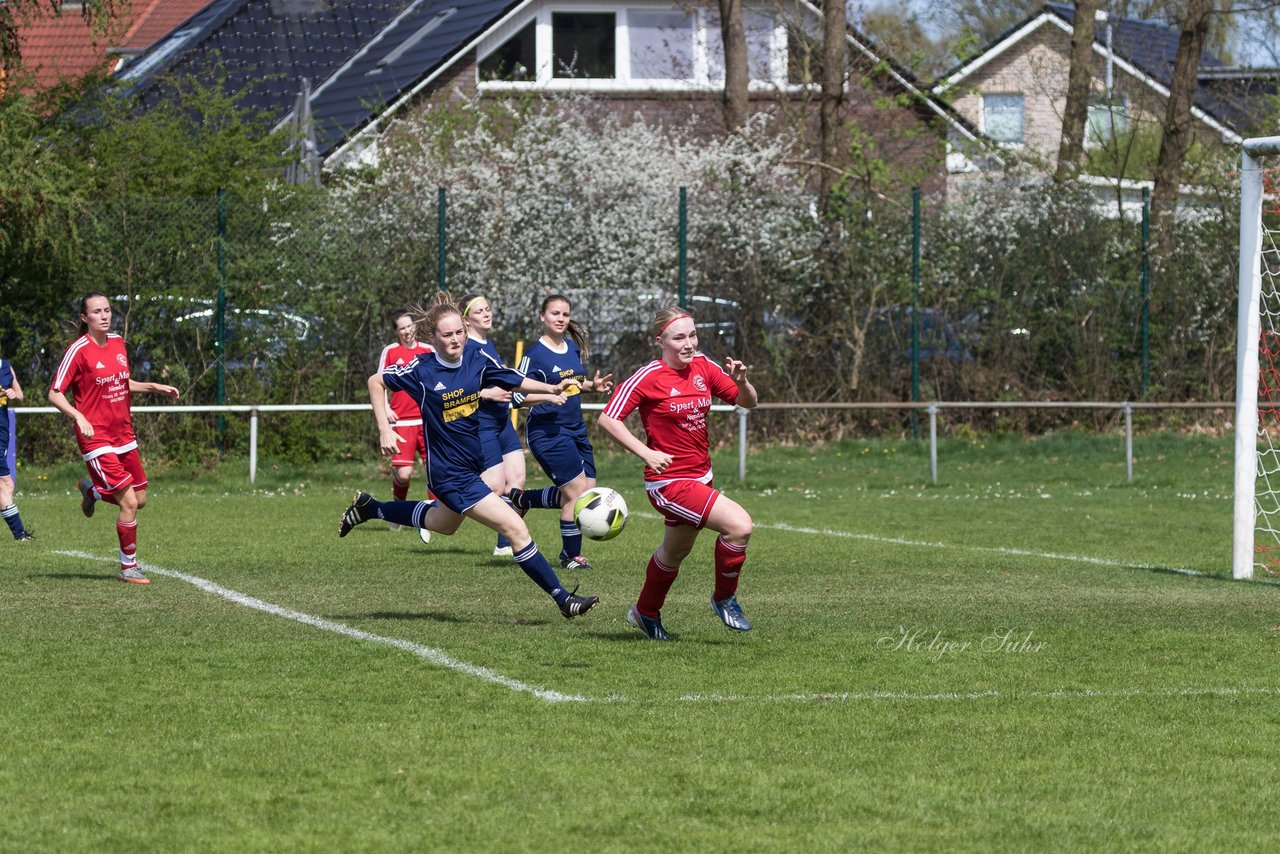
(1018, 143)
(544, 79)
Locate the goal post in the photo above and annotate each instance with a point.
(1255, 538)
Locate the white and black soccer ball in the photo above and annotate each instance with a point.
(601, 513)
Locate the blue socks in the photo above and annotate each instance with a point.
(536, 567)
(571, 538)
(546, 498)
(14, 521)
(408, 513)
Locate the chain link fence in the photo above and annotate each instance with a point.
(1023, 294)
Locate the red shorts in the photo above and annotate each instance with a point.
(684, 502)
(113, 473)
(411, 440)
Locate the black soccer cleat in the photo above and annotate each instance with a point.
(652, 627)
(355, 514)
(514, 496)
(576, 606)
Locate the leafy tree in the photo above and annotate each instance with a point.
(1079, 79)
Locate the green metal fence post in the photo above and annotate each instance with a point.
(441, 256)
(1146, 290)
(915, 309)
(684, 247)
(220, 331)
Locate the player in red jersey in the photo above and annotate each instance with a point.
(402, 412)
(673, 394)
(95, 369)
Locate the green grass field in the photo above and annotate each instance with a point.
(1032, 654)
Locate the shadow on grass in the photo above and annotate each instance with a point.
(1263, 579)
(78, 576)
(634, 636)
(433, 616)
(427, 551)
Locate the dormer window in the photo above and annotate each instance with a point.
(582, 45)
(515, 59)
(661, 44)
(644, 47)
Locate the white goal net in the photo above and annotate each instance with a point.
(1256, 537)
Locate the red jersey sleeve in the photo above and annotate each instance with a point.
(69, 368)
(630, 394)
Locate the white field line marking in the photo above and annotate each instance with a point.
(1083, 694)
(442, 659)
(427, 653)
(1002, 550)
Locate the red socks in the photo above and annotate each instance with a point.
(729, 561)
(400, 493)
(128, 534)
(657, 581)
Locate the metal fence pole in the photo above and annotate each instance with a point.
(253, 446)
(682, 241)
(1128, 443)
(915, 310)
(742, 443)
(933, 443)
(442, 208)
(220, 327)
(1146, 291)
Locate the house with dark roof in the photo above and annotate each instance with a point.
(1015, 89)
(62, 46)
(370, 61)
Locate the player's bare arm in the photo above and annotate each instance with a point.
(60, 403)
(540, 392)
(604, 384)
(620, 433)
(136, 387)
(388, 439)
(14, 392)
(747, 397)
(496, 394)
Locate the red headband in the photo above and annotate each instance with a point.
(671, 321)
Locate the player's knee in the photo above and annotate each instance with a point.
(674, 555)
(739, 529)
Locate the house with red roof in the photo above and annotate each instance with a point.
(62, 47)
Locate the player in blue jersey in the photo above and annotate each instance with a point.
(504, 455)
(557, 434)
(446, 385)
(10, 389)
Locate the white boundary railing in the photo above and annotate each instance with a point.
(255, 413)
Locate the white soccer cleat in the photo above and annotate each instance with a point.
(424, 535)
(392, 527)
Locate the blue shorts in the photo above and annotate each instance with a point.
(563, 453)
(459, 491)
(498, 440)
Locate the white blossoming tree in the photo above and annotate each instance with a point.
(565, 197)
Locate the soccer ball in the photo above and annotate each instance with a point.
(601, 513)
